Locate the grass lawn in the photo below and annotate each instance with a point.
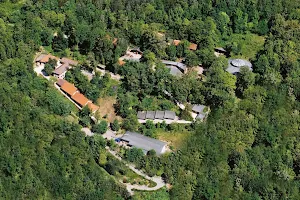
(174, 138)
(250, 44)
(106, 105)
(160, 194)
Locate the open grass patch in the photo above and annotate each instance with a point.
(106, 108)
(175, 139)
(248, 44)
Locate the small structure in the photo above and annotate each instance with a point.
(234, 65)
(220, 51)
(169, 115)
(200, 112)
(43, 59)
(177, 68)
(193, 47)
(141, 115)
(159, 114)
(150, 115)
(176, 42)
(145, 143)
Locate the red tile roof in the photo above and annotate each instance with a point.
(193, 47)
(93, 107)
(60, 82)
(69, 88)
(80, 99)
(176, 42)
(68, 61)
(121, 62)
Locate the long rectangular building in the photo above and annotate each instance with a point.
(143, 142)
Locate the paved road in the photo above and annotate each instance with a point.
(157, 179)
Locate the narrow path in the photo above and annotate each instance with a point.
(157, 179)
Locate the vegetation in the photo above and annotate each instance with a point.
(247, 148)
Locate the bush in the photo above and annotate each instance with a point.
(115, 126)
(100, 127)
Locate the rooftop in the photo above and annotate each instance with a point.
(176, 42)
(169, 115)
(80, 99)
(234, 65)
(176, 64)
(93, 107)
(61, 69)
(45, 58)
(150, 115)
(69, 88)
(68, 61)
(198, 108)
(141, 115)
(174, 70)
(159, 114)
(145, 143)
(193, 47)
(60, 82)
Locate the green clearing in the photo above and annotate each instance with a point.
(249, 44)
(176, 139)
(160, 194)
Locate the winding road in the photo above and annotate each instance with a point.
(157, 179)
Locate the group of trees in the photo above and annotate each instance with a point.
(248, 147)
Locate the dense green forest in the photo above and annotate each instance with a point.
(248, 148)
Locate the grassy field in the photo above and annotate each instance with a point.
(107, 109)
(175, 139)
(250, 44)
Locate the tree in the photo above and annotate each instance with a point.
(100, 128)
(50, 66)
(130, 123)
(115, 126)
(245, 79)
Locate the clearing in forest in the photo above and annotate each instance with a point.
(107, 109)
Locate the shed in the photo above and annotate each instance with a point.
(150, 115)
(141, 115)
(170, 115)
(159, 114)
(143, 142)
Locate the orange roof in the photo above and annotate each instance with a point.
(93, 107)
(193, 47)
(176, 42)
(121, 62)
(60, 82)
(80, 99)
(46, 58)
(69, 88)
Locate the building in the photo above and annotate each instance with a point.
(156, 115)
(43, 59)
(234, 65)
(145, 143)
(176, 68)
(200, 111)
(61, 70)
(68, 88)
(80, 99)
(134, 54)
(169, 115)
(193, 47)
(75, 95)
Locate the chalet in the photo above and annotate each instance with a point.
(132, 139)
(234, 65)
(43, 59)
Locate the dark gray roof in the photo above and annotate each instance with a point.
(176, 64)
(174, 70)
(145, 143)
(150, 115)
(159, 114)
(198, 108)
(141, 115)
(169, 115)
(234, 65)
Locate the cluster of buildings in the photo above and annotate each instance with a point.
(159, 115)
(62, 64)
(72, 92)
